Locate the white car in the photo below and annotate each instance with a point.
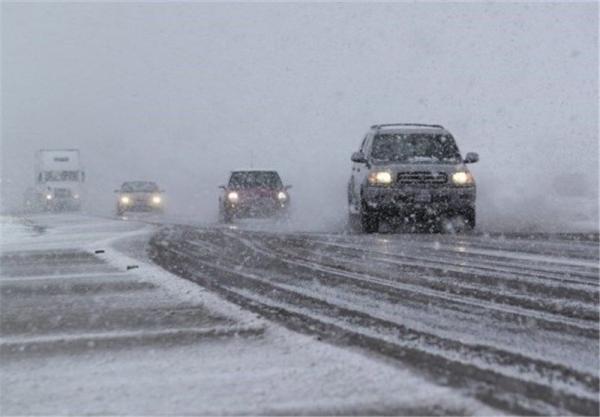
(139, 196)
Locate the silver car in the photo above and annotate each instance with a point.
(411, 172)
(139, 196)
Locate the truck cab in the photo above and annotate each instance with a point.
(59, 179)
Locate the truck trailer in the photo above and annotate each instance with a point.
(59, 179)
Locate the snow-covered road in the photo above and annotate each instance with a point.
(81, 333)
(512, 320)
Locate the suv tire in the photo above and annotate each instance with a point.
(369, 220)
(470, 218)
(227, 216)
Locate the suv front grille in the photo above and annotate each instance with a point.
(422, 177)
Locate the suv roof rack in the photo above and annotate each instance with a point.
(406, 124)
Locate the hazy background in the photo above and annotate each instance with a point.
(182, 93)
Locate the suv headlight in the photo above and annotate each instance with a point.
(156, 199)
(462, 178)
(233, 197)
(380, 178)
(281, 196)
(125, 199)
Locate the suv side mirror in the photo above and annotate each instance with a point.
(117, 191)
(359, 157)
(471, 158)
(287, 187)
(222, 187)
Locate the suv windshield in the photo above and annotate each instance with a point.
(139, 186)
(255, 179)
(415, 147)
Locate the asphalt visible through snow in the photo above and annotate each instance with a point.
(510, 319)
(89, 325)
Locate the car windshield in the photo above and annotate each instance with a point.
(415, 148)
(139, 186)
(255, 179)
(61, 175)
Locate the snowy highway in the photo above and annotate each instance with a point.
(511, 320)
(90, 326)
(431, 324)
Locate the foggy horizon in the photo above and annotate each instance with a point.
(183, 93)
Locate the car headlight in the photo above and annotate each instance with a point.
(281, 196)
(462, 178)
(156, 199)
(233, 197)
(380, 177)
(48, 196)
(125, 199)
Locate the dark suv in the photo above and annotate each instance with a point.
(411, 171)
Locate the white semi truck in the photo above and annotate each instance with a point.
(59, 178)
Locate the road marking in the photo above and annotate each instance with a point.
(19, 343)
(58, 277)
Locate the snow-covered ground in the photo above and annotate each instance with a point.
(81, 334)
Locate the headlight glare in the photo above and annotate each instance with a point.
(233, 197)
(125, 199)
(156, 199)
(462, 178)
(281, 196)
(380, 177)
(48, 196)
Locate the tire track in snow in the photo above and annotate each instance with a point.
(227, 273)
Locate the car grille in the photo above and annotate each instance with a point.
(62, 193)
(422, 177)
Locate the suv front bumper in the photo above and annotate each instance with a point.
(401, 200)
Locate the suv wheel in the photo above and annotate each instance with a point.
(354, 222)
(369, 220)
(470, 218)
(458, 222)
(227, 216)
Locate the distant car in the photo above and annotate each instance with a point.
(413, 172)
(139, 196)
(253, 193)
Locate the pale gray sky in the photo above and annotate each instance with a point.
(183, 92)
